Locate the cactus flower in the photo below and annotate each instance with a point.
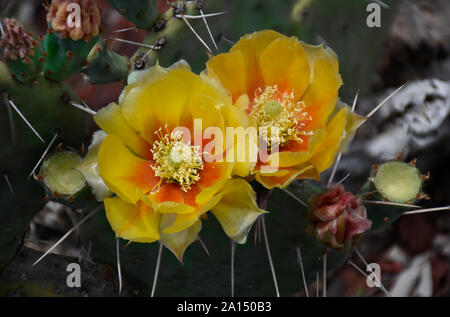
(337, 217)
(292, 87)
(89, 27)
(163, 181)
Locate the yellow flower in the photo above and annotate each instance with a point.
(164, 184)
(291, 87)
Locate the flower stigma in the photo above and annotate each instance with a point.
(175, 160)
(275, 112)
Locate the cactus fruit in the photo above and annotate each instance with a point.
(143, 13)
(106, 66)
(66, 46)
(396, 185)
(60, 176)
(399, 182)
(21, 52)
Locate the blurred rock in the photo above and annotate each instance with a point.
(419, 43)
(48, 278)
(414, 121)
(415, 233)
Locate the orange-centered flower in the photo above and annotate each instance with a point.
(289, 90)
(164, 182)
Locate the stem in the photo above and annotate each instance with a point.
(262, 195)
(262, 198)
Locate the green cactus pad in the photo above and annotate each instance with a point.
(64, 57)
(143, 13)
(42, 102)
(398, 181)
(60, 174)
(106, 66)
(26, 72)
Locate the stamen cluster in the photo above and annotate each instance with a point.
(278, 116)
(175, 160)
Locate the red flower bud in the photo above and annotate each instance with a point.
(337, 218)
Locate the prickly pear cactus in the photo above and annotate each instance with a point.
(155, 197)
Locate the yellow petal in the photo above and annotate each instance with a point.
(319, 51)
(354, 121)
(284, 63)
(251, 47)
(325, 154)
(156, 103)
(180, 241)
(229, 70)
(239, 69)
(321, 96)
(134, 222)
(110, 120)
(237, 209)
(169, 207)
(213, 86)
(289, 159)
(179, 222)
(122, 171)
(214, 177)
(205, 108)
(89, 168)
(284, 180)
(244, 144)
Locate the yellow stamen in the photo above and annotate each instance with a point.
(276, 112)
(175, 160)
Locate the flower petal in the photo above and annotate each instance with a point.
(205, 108)
(270, 181)
(240, 149)
(325, 154)
(321, 96)
(134, 222)
(154, 104)
(89, 168)
(228, 69)
(179, 222)
(110, 120)
(284, 63)
(237, 209)
(252, 46)
(169, 199)
(180, 241)
(212, 179)
(123, 172)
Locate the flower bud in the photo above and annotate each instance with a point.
(337, 218)
(17, 43)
